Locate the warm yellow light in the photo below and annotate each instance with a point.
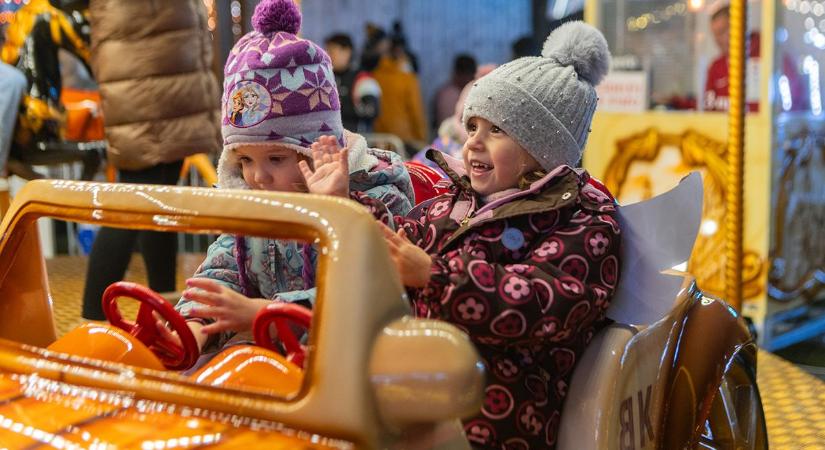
(695, 5)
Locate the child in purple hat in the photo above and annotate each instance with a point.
(281, 132)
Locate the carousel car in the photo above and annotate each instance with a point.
(678, 373)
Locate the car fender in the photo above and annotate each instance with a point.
(713, 333)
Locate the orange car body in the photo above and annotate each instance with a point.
(97, 387)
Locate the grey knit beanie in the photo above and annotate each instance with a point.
(546, 103)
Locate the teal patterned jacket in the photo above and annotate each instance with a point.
(285, 270)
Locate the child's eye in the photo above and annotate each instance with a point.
(495, 129)
(244, 159)
(471, 127)
(276, 159)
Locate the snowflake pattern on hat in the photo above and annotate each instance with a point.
(279, 85)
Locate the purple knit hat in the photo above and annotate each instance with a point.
(278, 87)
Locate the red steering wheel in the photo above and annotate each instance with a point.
(281, 314)
(174, 356)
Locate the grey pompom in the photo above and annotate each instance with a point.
(579, 45)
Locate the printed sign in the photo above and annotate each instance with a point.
(623, 91)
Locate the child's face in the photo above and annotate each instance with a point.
(339, 55)
(271, 168)
(494, 161)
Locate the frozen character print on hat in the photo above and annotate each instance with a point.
(250, 104)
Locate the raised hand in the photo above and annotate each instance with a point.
(413, 263)
(331, 168)
(230, 310)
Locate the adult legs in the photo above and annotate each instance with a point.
(113, 248)
(12, 85)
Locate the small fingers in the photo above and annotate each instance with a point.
(343, 158)
(317, 151)
(387, 231)
(215, 327)
(206, 284)
(203, 297)
(402, 234)
(166, 333)
(305, 170)
(206, 312)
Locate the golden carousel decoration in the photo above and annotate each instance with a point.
(650, 162)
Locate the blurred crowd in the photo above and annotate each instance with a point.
(380, 92)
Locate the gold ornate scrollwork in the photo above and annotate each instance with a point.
(649, 163)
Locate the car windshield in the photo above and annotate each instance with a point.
(208, 282)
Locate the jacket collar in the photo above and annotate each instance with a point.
(558, 189)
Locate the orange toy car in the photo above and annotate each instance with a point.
(675, 373)
(99, 386)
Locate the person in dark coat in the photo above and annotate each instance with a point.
(153, 61)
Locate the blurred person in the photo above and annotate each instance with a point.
(358, 91)
(376, 46)
(464, 70)
(451, 133)
(717, 83)
(524, 46)
(400, 50)
(153, 62)
(402, 112)
(12, 86)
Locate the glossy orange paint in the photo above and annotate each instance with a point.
(108, 343)
(39, 411)
(251, 367)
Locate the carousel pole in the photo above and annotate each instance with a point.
(734, 193)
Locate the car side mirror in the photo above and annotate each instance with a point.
(425, 371)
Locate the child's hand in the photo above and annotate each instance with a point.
(331, 175)
(230, 310)
(412, 263)
(172, 336)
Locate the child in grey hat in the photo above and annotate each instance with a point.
(523, 252)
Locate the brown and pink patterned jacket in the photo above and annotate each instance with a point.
(528, 277)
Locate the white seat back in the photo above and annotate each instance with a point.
(617, 391)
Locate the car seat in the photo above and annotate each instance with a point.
(676, 369)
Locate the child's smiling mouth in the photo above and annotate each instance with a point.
(478, 168)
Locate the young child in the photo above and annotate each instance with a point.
(293, 78)
(523, 253)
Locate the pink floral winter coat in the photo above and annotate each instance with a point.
(528, 277)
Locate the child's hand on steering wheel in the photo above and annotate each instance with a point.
(172, 335)
(230, 310)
